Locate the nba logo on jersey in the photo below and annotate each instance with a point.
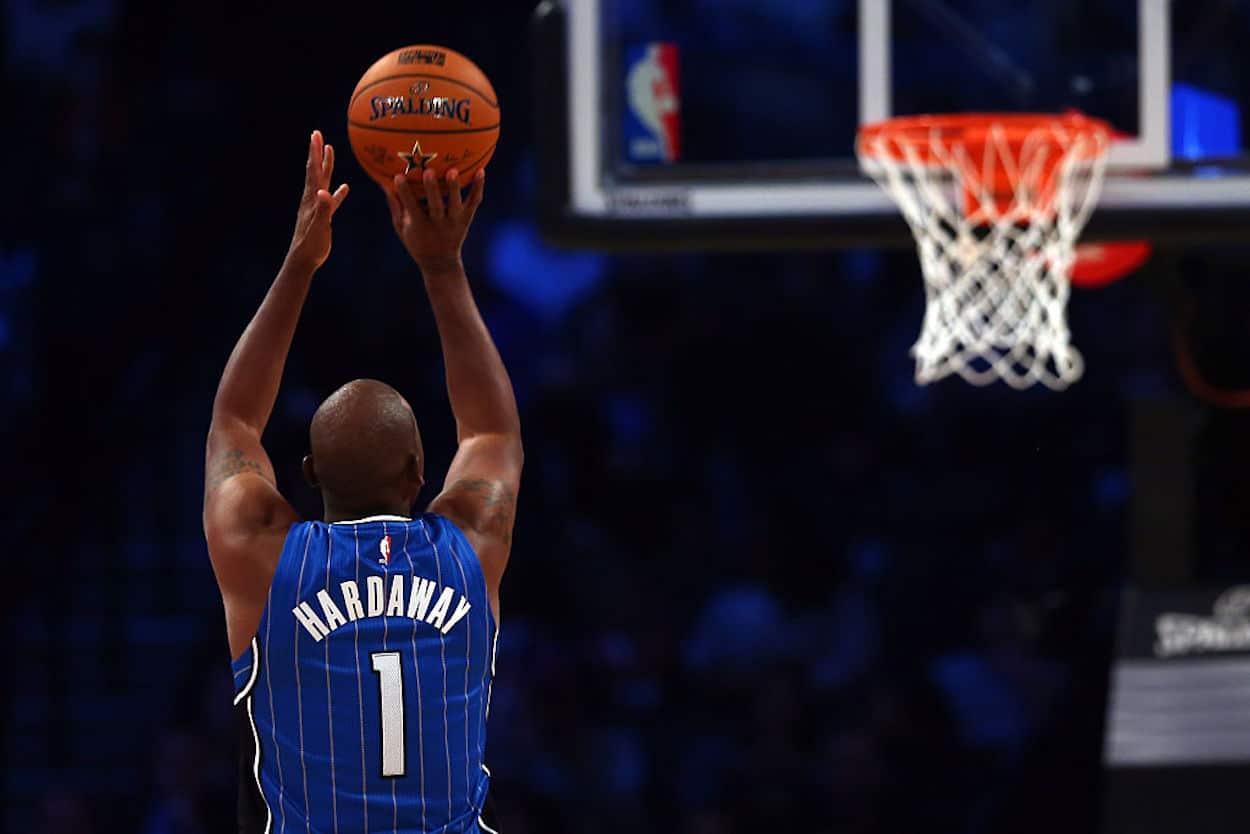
(652, 104)
(385, 548)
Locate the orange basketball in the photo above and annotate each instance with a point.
(423, 107)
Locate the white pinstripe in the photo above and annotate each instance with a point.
(442, 646)
(299, 696)
(334, 789)
(468, 647)
(394, 801)
(273, 718)
(490, 687)
(416, 667)
(360, 693)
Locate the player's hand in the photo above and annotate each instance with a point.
(310, 246)
(434, 230)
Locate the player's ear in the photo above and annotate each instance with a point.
(310, 472)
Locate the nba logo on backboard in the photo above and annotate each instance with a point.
(385, 548)
(652, 104)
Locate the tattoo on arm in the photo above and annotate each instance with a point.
(228, 464)
(494, 505)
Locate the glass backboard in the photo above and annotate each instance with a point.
(726, 123)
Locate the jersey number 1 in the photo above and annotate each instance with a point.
(391, 697)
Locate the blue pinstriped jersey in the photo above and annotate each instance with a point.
(365, 693)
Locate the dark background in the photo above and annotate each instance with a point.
(761, 581)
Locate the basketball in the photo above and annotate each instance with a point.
(423, 108)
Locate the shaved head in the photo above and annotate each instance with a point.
(366, 451)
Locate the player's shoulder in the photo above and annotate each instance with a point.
(449, 537)
(445, 529)
(239, 520)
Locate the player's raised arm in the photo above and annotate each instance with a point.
(241, 501)
(481, 486)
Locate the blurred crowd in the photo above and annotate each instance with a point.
(761, 581)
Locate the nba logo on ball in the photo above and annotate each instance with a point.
(652, 104)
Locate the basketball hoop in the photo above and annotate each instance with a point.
(996, 202)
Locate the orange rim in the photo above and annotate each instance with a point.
(986, 151)
(921, 134)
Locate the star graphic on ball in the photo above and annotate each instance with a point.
(416, 157)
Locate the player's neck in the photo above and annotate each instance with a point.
(340, 512)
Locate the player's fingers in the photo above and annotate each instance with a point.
(407, 197)
(455, 202)
(325, 205)
(433, 197)
(477, 192)
(316, 152)
(339, 195)
(327, 165)
(310, 164)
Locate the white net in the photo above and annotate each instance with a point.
(996, 237)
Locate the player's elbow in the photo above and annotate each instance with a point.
(225, 427)
(501, 434)
(231, 417)
(510, 448)
(504, 447)
(518, 452)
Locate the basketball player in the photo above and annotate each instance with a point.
(364, 644)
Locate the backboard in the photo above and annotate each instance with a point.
(731, 123)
